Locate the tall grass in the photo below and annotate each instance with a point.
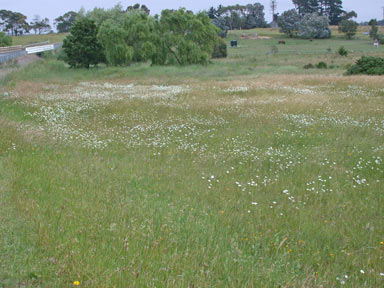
(197, 176)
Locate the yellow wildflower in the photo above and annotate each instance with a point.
(76, 283)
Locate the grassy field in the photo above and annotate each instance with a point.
(30, 39)
(249, 172)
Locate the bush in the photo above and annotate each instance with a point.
(321, 65)
(349, 27)
(342, 51)
(81, 45)
(5, 40)
(220, 49)
(369, 65)
(380, 37)
(309, 66)
(62, 56)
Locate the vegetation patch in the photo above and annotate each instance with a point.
(369, 65)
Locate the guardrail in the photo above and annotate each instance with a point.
(39, 49)
(14, 54)
(10, 48)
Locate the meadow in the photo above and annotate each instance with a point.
(248, 172)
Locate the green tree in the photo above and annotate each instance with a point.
(140, 29)
(138, 7)
(40, 25)
(288, 22)
(306, 6)
(374, 29)
(65, 22)
(254, 16)
(5, 40)
(184, 38)
(99, 15)
(333, 9)
(112, 38)
(349, 27)
(14, 22)
(81, 45)
(313, 26)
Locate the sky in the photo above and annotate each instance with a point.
(366, 9)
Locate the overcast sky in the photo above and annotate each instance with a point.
(366, 9)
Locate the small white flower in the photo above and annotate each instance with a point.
(381, 274)
(362, 272)
(254, 203)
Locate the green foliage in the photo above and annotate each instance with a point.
(112, 38)
(288, 22)
(238, 16)
(313, 26)
(220, 49)
(332, 9)
(369, 65)
(321, 65)
(81, 45)
(138, 7)
(349, 27)
(183, 38)
(221, 24)
(380, 37)
(40, 25)
(139, 29)
(5, 40)
(342, 51)
(274, 50)
(309, 66)
(309, 26)
(65, 22)
(99, 15)
(14, 22)
(374, 29)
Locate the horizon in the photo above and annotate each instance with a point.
(53, 10)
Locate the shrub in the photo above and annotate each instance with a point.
(349, 27)
(274, 50)
(321, 65)
(5, 40)
(342, 51)
(220, 49)
(374, 29)
(369, 65)
(380, 37)
(309, 66)
(81, 45)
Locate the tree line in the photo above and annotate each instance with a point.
(120, 36)
(15, 23)
(237, 16)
